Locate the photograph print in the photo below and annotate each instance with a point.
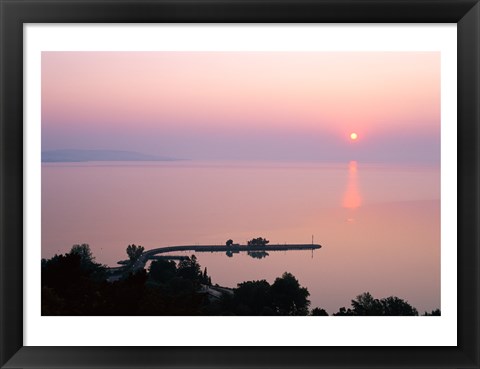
(240, 183)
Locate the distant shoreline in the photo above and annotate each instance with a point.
(81, 156)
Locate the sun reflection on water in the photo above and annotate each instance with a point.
(352, 198)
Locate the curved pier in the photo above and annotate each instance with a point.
(150, 254)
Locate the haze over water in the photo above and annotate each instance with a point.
(379, 226)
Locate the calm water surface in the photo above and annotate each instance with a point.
(379, 225)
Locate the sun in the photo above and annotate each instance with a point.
(353, 136)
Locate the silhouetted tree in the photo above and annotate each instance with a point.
(365, 304)
(229, 242)
(134, 251)
(87, 261)
(205, 278)
(318, 312)
(84, 252)
(289, 298)
(258, 242)
(66, 279)
(435, 312)
(190, 269)
(395, 306)
(344, 312)
(63, 271)
(162, 271)
(252, 297)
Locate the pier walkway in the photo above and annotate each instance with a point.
(150, 254)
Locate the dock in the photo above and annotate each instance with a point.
(232, 248)
(153, 254)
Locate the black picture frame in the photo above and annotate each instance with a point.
(15, 13)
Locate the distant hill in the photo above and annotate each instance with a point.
(68, 155)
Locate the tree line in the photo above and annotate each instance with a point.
(75, 284)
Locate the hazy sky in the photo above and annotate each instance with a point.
(245, 105)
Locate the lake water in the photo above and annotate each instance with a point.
(379, 225)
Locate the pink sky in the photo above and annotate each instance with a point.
(210, 105)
